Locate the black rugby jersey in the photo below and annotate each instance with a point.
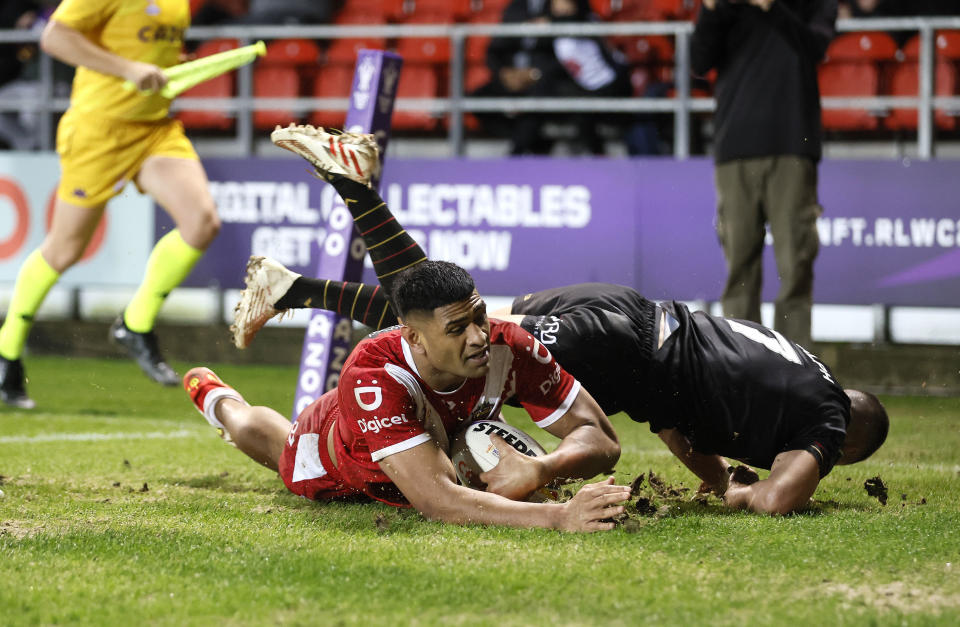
(733, 387)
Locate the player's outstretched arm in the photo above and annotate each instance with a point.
(426, 477)
(72, 47)
(710, 469)
(793, 479)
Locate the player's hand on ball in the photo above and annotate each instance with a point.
(515, 476)
(145, 76)
(595, 502)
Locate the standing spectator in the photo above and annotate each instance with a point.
(767, 145)
(550, 67)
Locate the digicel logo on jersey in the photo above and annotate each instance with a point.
(374, 426)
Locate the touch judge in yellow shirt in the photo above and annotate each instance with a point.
(108, 137)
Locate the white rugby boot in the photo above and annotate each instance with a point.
(332, 153)
(266, 283)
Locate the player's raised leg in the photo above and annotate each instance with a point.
(348, 161)
(259, 432)
(272, 289)
(71, 228)
(180, 186)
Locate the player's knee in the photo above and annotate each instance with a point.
(204, 227)
(62, 255)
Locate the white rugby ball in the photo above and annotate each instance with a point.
(472, 452)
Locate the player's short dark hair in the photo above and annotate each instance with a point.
(868, 426)
(428, 285)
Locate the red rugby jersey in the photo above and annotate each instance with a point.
(385, 407)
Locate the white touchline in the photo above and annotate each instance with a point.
(96, 437)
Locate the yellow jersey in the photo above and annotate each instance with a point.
(150, 31)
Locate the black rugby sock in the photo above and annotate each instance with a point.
(390, 247)
(358, 301)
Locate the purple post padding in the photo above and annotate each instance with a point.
(326, 343)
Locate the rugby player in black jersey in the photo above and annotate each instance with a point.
(710, 387)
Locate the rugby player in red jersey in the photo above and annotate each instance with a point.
(385, 430)
(403, 393)
(709, 387)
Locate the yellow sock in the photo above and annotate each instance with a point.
(170, 262)
(34, 280)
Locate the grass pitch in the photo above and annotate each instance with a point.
(121, 506)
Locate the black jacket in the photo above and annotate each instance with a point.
(768, 102)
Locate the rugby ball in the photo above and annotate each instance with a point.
(473, 452)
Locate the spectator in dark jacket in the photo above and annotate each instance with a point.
(550, 67)
(767, 145)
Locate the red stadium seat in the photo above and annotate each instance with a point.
(486, 17)
(380, 11)
(905, 83)
(333, 81)
(451, 10)
(219, 87)
(635, 12)
(426, 49)
(475, 49)
(649, 10)
(477, 75)
(849, 79)
(344, 51)
(291, 52)
(416, 82)
(275, 82)
(485, 6)
(947, 44)
(213, 46)
(865, 46)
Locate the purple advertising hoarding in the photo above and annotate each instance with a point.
(890, 232)
(328, 338)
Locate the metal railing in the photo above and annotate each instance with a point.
(681, 105)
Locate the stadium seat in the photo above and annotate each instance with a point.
(845, 80)
(477, 75)
(486, 17)
(275, 82)
(426, 49)
(905, 83)
(380, 11)
(416, 82)
(475, 49)
(488, 6)
(291, 52)
(345, 50)
(647, 10)
(862, 46)
(220, 87)
(947, 44)
(451, 10)
(333, 81)
(342, 51)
